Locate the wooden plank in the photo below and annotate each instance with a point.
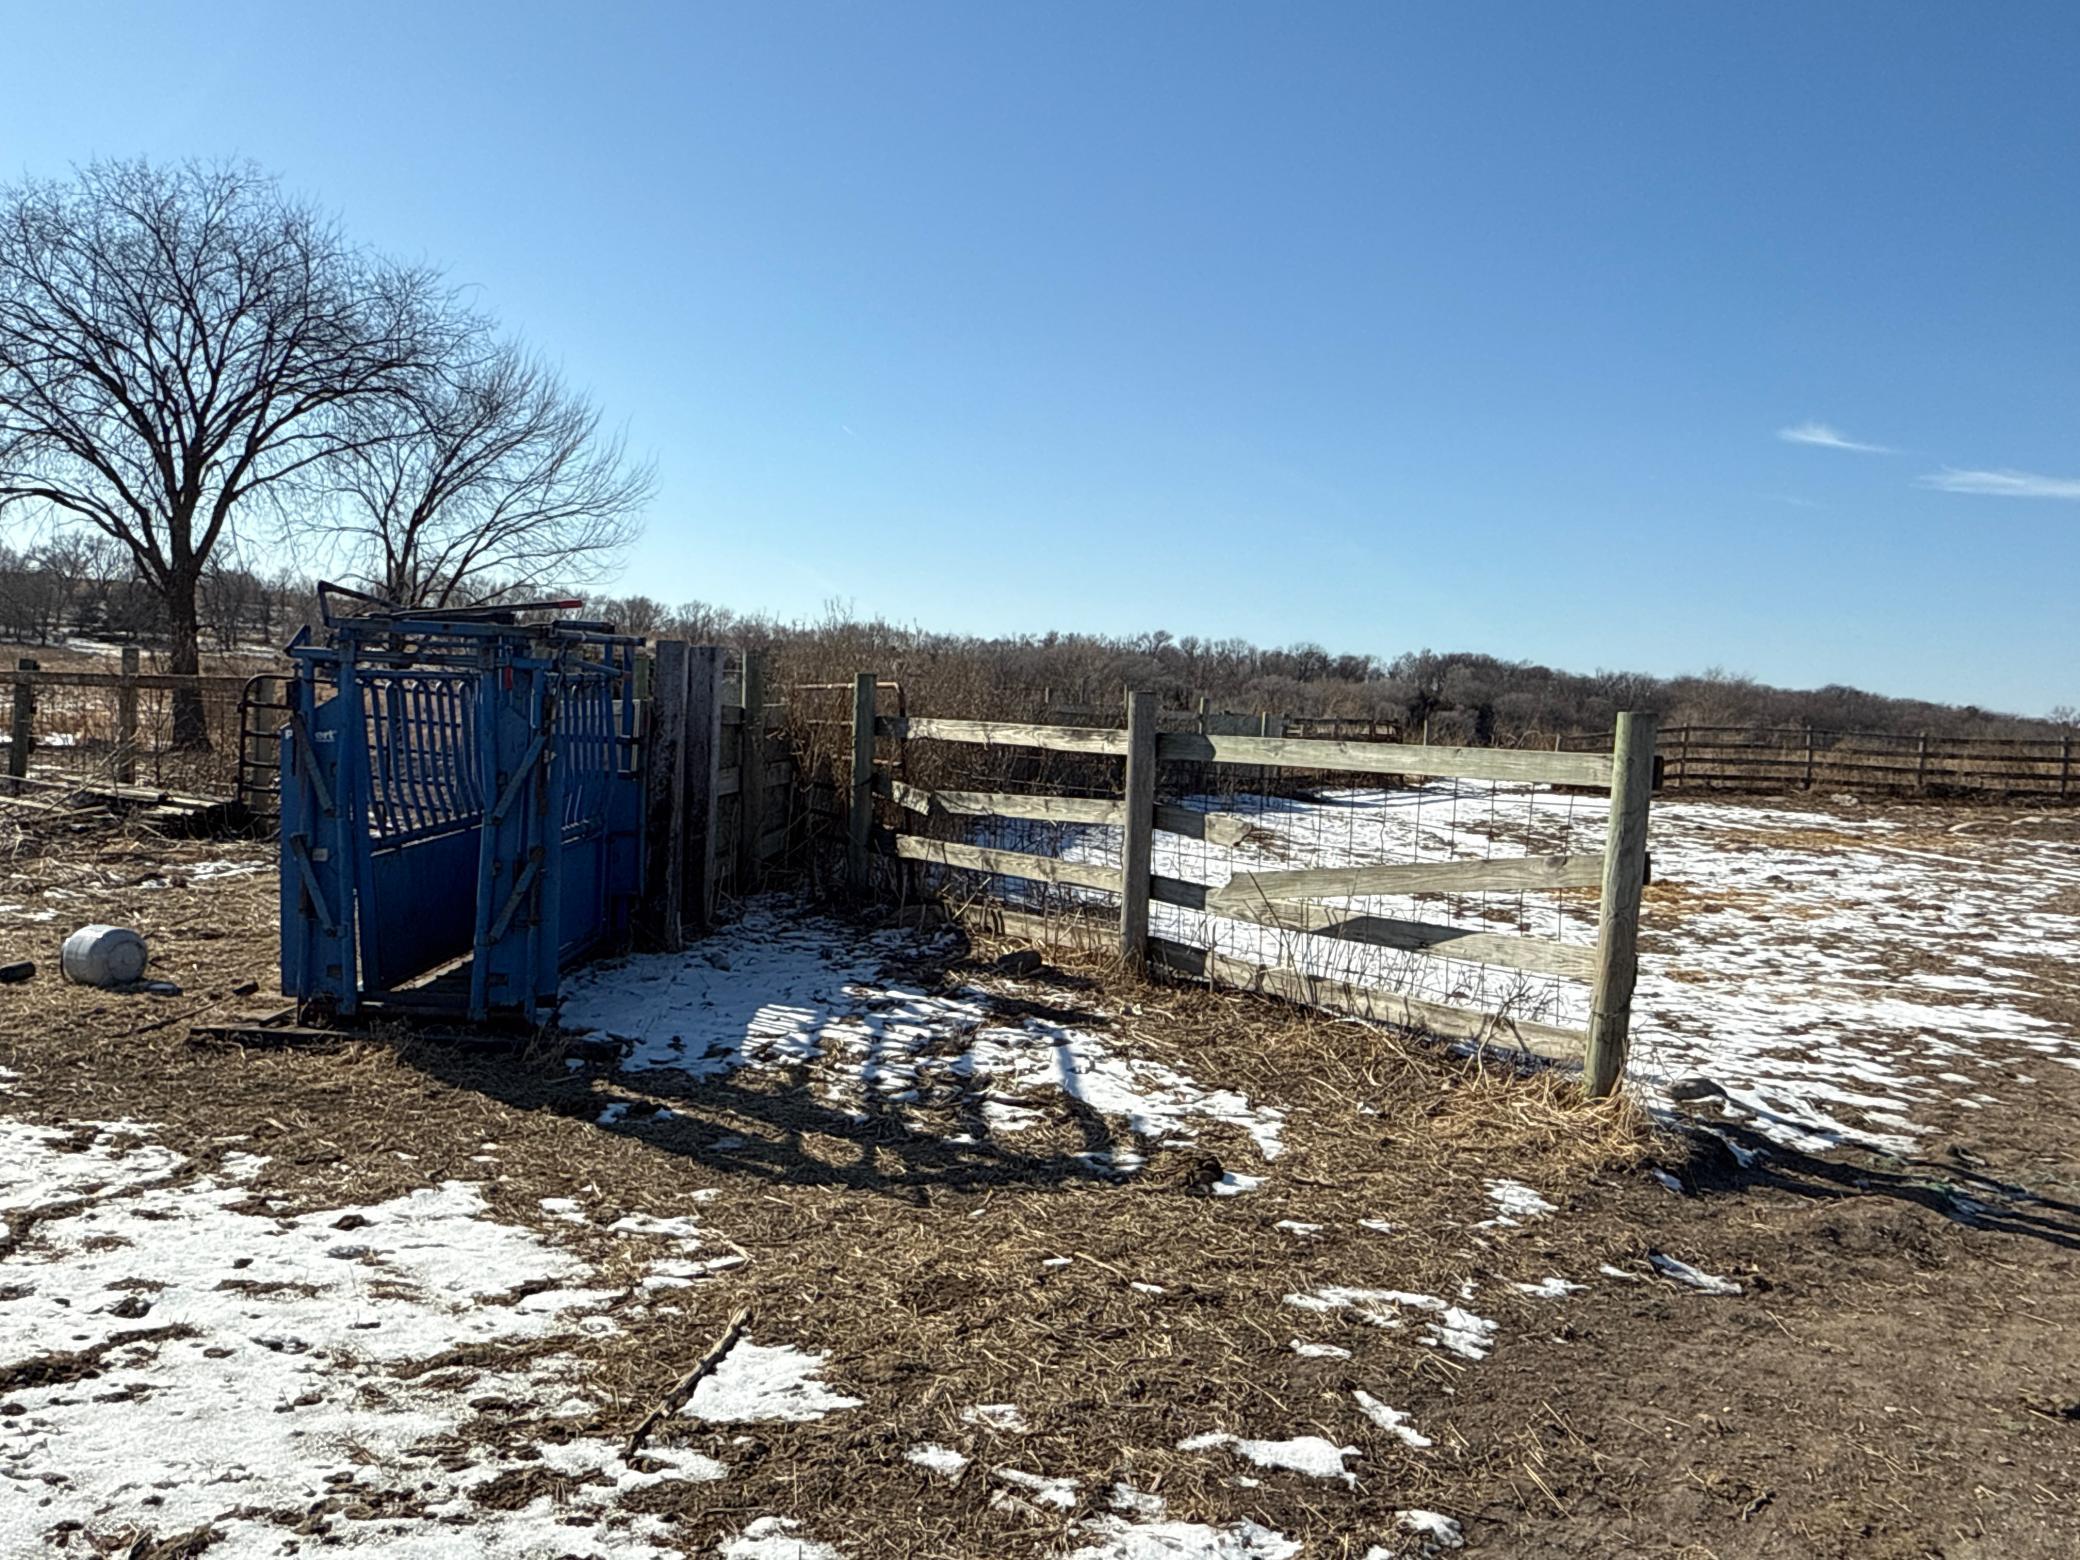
(1214, 828)
(751, 801)
(1083, 934)
(994, 733)
(1007, 863)
(1000, 804)
(664, 795)
(1137, 835)
(703, 789)
(860, 815)
(159, 682)
(1416, 877)
(913, 797)
(1393, 758)
(1624, 871)
(126, 721)
(730, 782)
(22, 732)
(1539, 955)
(1368, 1002)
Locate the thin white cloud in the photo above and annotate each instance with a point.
(2002, 484)
(1826, 438)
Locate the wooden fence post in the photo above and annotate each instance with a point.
(23, 732)
(703, 781)
(664, 791)
(2065, 763)
(862, 811)
(1138, 827)
(1624, 874)
(1809, 758)
(126, 720)
(1921, 764)
(751, 773)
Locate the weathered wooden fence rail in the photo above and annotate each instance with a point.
(1282, 900)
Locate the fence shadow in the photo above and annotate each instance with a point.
(758, 1117)
(1959, 1194)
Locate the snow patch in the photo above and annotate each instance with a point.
(1308, 1454)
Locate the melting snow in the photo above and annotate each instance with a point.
(1308, 1454)
(1456, 1329)
(1549, 1288)
(996, 1416)
(782, 987)
(1514, 1202)
(765, 1382)
(1319, 1351)
(214, 1366)
(942, 1460)
(1439, 1529)
(1392, 1420)
(1683, 1273)
(1049, 1492)
(1120, 1539)
(772, 1538)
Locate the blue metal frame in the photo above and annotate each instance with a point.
(456, 784)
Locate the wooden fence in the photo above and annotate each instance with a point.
(1748, 758)
(1281, 900)
(115, 728)
(719, 786)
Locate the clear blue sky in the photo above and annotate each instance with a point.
(1460, 325)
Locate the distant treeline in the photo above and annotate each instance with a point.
(84, 587)
(1463, 696)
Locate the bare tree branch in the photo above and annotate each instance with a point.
(177, 341)
(492, 480)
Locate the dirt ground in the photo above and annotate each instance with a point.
(1898, 1375)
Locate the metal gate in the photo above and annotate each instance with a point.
(455, 787)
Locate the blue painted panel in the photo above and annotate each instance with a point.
(472, 787)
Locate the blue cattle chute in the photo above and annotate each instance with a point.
(456, 786)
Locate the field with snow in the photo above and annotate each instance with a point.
(1052, 1266)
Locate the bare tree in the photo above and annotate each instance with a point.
(175, 342)
(493, 480)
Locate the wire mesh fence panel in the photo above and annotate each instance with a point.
(75, 736)
(1517, 952)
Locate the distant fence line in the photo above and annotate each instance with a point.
(1751, 758)
(1757, 758)
(115, 728)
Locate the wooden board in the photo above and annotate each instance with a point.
(1001, 804)
(1007, 863)
(1415, 877)
(729, 782)
(1391, 758)
(1084, 934)
(992, 733)
(1214, 828)
(157, 681)
(1385, 1007)
(1539, 955)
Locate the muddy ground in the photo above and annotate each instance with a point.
(1898, 1376)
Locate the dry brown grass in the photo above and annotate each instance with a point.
(918, 1265)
